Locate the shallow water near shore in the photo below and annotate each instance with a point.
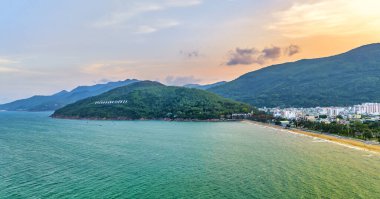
(41, 157)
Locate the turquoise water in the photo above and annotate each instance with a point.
(42, 157)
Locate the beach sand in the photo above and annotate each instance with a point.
(338, 140)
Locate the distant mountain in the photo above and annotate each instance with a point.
(346, 79)
(58, 100)
(204, 87)
(153, 100)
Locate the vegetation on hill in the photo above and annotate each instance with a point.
(204, 87)
(152, 100)
(346, 79)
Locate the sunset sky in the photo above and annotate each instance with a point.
(50, 45)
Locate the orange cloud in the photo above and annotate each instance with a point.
(329, 17)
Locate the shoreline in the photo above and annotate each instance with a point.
(143, 119)
(348, 142)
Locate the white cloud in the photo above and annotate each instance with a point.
(4, 61)
(181, 80)
(145, 29)
(113, 69)
(122, 16)
(163, 24)
(329, 17)
(5, 68)
(8, 70)
(182, 3)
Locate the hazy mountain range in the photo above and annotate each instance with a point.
(345, 79)
(62, 98)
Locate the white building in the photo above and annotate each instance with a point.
(367, 109)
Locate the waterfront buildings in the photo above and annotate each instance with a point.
(368, 109)
(365, 111)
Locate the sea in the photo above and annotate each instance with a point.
(42, 157)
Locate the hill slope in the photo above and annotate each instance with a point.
(152, 100)
(58, 100)
(204, 87)
(346, 79)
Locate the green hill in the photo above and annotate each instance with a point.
(152, 100)
(204, 87)
(346, 79)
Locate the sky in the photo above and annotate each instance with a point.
(51, 45)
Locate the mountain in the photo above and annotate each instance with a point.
(345, 79)
(204, 87)
(58, 100)
(153, 100)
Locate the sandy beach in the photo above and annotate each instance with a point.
(352, 143)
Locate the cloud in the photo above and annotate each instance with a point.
(292, 50)
(4, 61)
(145, 29)
(270, 53)
(248, 56)
(244, 57)
(8, 70)
(162, 24)
(113, 69)
(328, 17)
(181, 80)
(122, 16)
(182, 3)
(18, 70)
(190, 54)
(5, 66)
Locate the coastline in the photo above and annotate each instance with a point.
(352, 143)
(143, 119)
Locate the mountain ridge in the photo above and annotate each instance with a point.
(311, 82)
(62, 98)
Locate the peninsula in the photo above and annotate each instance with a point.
(153, 100)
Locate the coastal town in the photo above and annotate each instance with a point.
(359, 121)
(366, 112)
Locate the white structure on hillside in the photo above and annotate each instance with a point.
(112, 102)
